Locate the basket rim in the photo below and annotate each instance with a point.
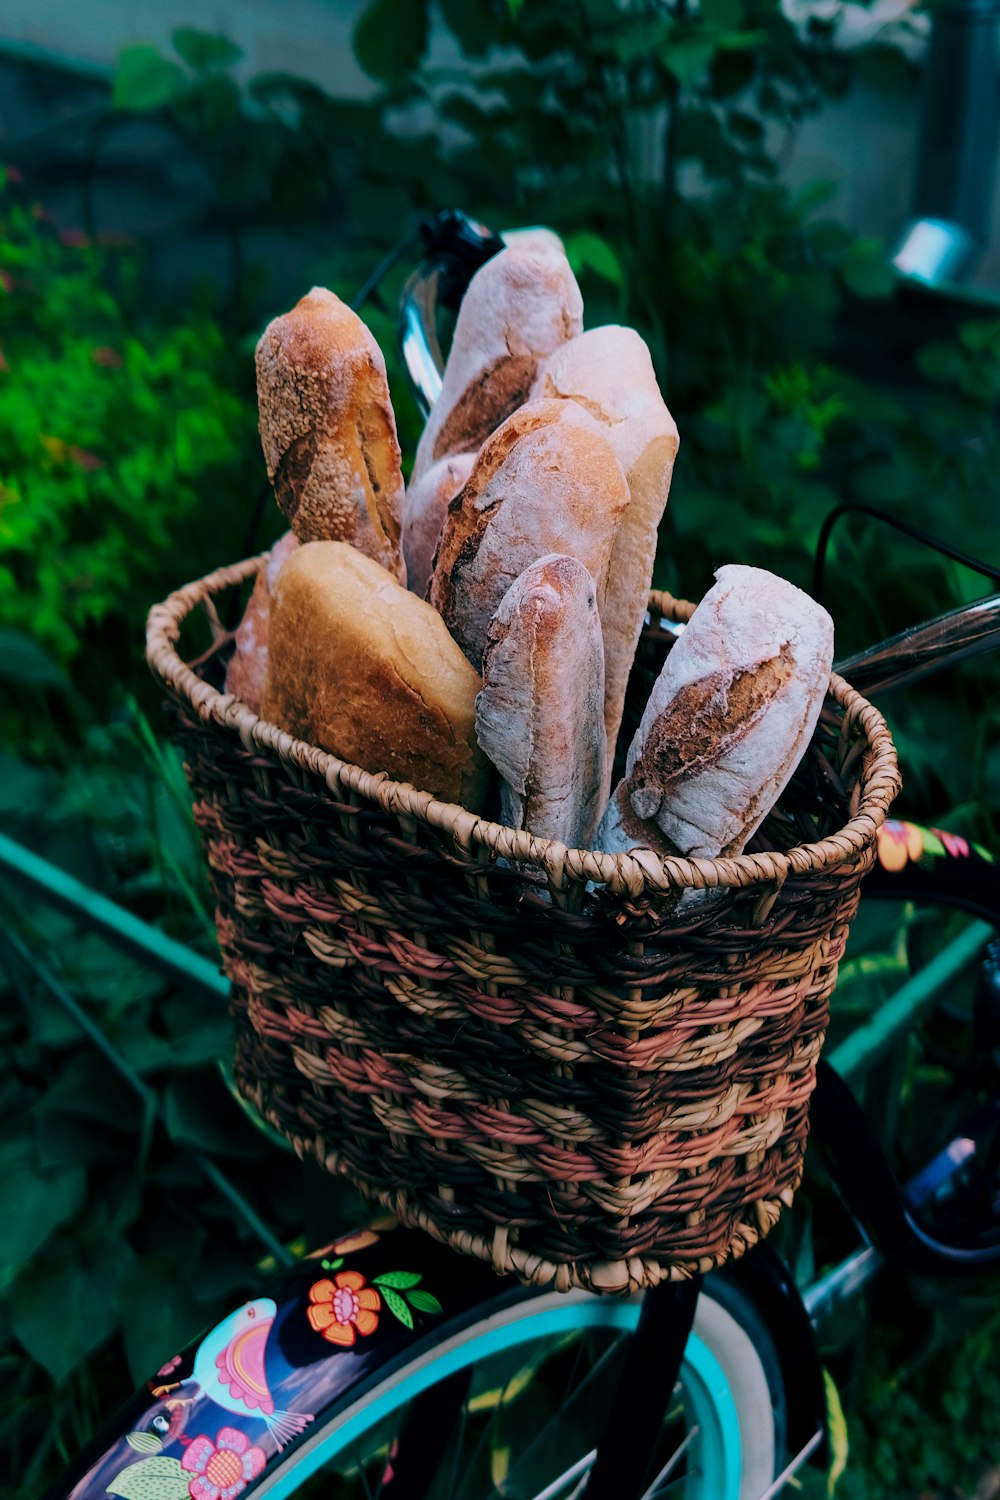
(631, 875)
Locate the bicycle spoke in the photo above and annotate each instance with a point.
(657, 1487)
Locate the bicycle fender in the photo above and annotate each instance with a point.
(254, 1383)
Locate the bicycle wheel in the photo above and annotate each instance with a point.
(539, 1377)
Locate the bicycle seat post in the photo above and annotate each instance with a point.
(643, 1395)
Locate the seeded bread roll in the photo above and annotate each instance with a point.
(518, 307)
(540, 714)
(547, 481)
(247, 670)
(729, 717)
(609, 372)
(363, 668)
(328, 430)
(425, 508)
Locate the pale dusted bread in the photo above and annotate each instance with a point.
(361, 667)
(425, 507)
(547, 481)
(328, 430)
(518, 307)
(609, 372)
(540, 715)
(247, 670)
(729, 717)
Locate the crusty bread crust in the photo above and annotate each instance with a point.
(546, 481)
(608, 371)
(425, 508)
(328, 429)
(247, 670)
(518, 307)
(540, 714)
(730, 715)
(363, 668)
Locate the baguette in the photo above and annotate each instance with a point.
(328, 429)
(247, 670)
(547, 481)
(363, 668)
(540, 714)
(728, 719)
(425, 509)
(609, 372)
(518, 307)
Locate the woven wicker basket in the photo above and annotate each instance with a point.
(526, 1050)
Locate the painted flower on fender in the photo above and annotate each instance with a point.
(343, 1306)
(224, 1468)
(898, 843)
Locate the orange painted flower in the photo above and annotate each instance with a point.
(343, 1306)
(897, 843)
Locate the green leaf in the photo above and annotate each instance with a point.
(722, 15)
(23, 660)
(158, 1314)
(63, 1311)
(145, 80)
(588, 252)
(472, 24)
(391, 37)
(687, 57)
(398, 1279)
(836, 1432)
(35, 1202)
(397, 1306)
(424, 1301)
(158, 1478)
(866, 270)
(204, 49)
(200, 1113)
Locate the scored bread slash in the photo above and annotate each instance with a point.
(728, 720)
(546, 481)
(609, 372)
(363, 668)
(518, 307)
(328, 430)
(540, 714)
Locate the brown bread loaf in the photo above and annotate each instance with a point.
(363, 668)
(328, 430)
(518, 307)
(247, 670)
(609, 372)
(728, 719)
(547, 481)
(425, 507)
(540, 714)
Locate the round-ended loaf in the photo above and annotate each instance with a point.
(247, 670)
(728, 719)
(518, 307)
(540, 714)
(608, 371)
(546, 481)
(363, 668)
(425, 508)
(328, 429)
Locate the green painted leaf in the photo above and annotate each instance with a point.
(932, 844)
(204, 49)
(145, 1442)
(399, 1279)
(145, 80)
(424, 1301)
(158, 1478)
(836, 1431)
(394, 1302)
(391, 37)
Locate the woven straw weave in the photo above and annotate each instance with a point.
(564, 1062)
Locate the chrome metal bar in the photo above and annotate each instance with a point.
(793, 1468)
(842, 1282)
(916, 653)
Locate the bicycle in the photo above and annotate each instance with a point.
(385, 1336)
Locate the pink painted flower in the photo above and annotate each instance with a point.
(224, 1468)
(170, 1366)
(953, 842)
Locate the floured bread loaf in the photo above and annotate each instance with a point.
(363, 668)
(518, 307)
(328, 430)
(608, 371)
(540, 714)
(729, 717)
(546, 481)
(425, 507)
(247, 670)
